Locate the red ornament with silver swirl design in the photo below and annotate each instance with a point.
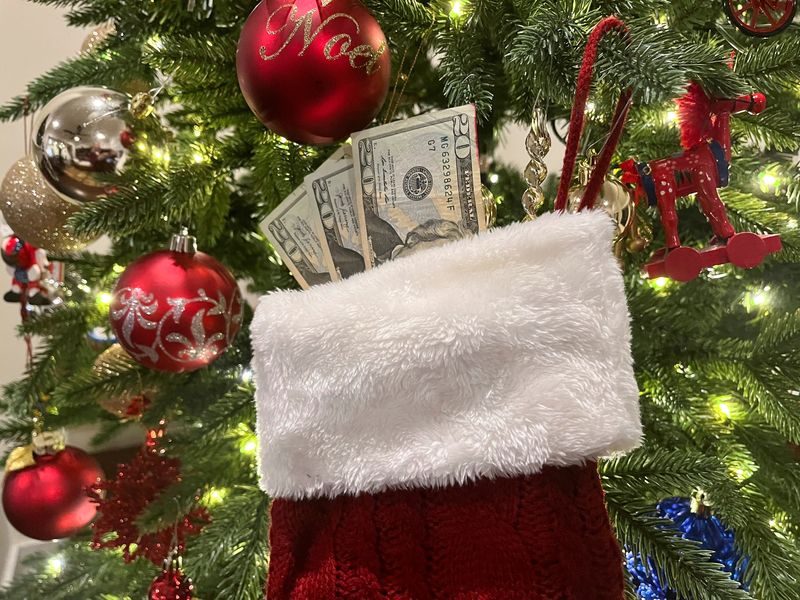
(313, 72)
(176, 310)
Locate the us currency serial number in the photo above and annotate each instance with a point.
(447, 181)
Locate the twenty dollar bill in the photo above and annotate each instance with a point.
(331, 189)
(295, 231)
(417, 183)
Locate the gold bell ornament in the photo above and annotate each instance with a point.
(617, 200)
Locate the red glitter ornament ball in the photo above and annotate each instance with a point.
(48, 500)
(122, 500)
(313, 72)
(176, 310)
(171, 585)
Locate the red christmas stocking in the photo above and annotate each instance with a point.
(429, 428)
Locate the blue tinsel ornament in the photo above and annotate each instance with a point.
(700, 526)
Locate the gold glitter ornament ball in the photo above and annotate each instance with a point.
(128, 404)
(96, 37)
(112, 360)
(34, 211)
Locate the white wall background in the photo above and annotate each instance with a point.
(33, 39)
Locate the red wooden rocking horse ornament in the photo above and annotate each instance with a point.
(761, 18)
(701, 168)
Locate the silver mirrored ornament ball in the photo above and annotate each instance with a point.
(80, 135)
(35, 212)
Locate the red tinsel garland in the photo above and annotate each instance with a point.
(121, 501)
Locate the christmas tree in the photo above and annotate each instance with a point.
(716, 354)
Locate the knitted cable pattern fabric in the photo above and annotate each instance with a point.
(538, 537)
(428, 428)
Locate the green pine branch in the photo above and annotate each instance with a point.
(230, 559)
(651, 472)
(112, 68)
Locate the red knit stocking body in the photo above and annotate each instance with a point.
(541, 537)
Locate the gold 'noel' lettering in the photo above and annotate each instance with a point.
(361, 57)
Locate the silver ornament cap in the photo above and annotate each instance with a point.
(183, 242)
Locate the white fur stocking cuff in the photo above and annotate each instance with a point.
(490, 356)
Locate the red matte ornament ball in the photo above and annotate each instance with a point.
(313, 72)
(171, 585)
(176, 310)
(48, 500)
